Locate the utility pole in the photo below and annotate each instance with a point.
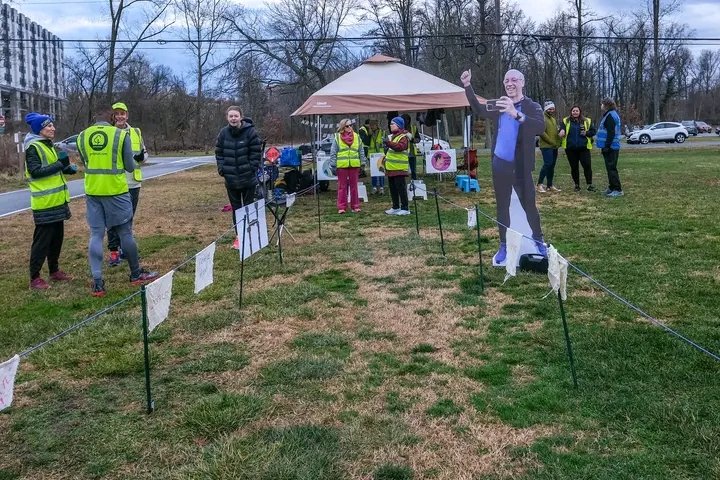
(498, 49)
(656, 61)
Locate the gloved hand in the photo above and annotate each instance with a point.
(63, 158)
(605, 150)
(71, 169)
(139, 157)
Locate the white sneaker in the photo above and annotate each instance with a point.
(392, 211)
(540, 188)
(374, 190)
(382, 191)
(403, 212)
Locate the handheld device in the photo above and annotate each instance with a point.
(492, 105)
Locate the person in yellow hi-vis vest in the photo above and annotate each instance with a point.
(347, 154)
(372, 138)
(413, 138)
(396, 166)
(49, 198)
(107, 153)
(120, 120)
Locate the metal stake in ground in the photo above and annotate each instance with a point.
(146, 348)
(417, 220)
(477, 228)
(568, 345)
(437, 207)
(242, 260)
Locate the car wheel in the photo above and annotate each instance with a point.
(644, 139)
(680, 138)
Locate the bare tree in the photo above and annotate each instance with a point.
(126, 36)
(311, 42)
(85, 79)
(397, 21)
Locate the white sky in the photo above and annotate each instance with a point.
(83, 19)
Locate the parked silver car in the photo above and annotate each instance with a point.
(660, 132)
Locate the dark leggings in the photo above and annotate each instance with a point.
(47, 243)
(113, 237)
(398, 193)
(578, 157)
(239, 197)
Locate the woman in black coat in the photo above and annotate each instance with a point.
(238, 153)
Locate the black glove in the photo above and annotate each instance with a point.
(63, 158)
(605, 150)
(139, 157)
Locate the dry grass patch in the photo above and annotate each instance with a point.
(495, 300)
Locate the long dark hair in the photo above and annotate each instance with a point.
(581, 118)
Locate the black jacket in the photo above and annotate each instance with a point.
(238, 153)
(36, 170)
(534, 124)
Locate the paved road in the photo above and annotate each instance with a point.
(19, 200)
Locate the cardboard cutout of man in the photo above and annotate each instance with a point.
(518, 119)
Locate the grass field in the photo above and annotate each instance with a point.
(370, 355)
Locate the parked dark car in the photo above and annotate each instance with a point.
(690, 126)
(703, 127)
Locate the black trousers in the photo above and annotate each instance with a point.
(505, 177)
(398, 192)
(113, 237)
(611, 161)
(575, 159)
(239, 197)
(412, 161)
(47, 243)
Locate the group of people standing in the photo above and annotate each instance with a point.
(575, 134)
(111, 151)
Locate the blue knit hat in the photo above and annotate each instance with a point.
(399, 122)
(37, 121)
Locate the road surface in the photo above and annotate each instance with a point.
(19, 200)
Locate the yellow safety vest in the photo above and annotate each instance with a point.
(137, 143)
(348, 156)
(396, 161)
(376, 142)
(46, 192)
(100, 146)
(566, 122)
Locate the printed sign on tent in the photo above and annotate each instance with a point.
(441, 161)
(204, 267)
(255, 236)
(158, 295)
(376, 167)
(325, 171)
(8, 370)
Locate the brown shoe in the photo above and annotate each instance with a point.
(60, 276)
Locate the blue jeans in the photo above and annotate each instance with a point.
(548, 169)
(378, 182)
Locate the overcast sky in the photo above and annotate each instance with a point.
(82, 19)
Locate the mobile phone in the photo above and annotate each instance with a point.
(491, 105)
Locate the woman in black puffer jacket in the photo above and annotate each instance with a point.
(238, 153)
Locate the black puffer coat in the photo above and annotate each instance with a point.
(238, 153)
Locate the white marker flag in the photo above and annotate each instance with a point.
(158, 300)
(204, 267)
(7, 381)
(472, 218)
(514, 240)
(557, 272)
(289, 200)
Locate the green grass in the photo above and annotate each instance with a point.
(337, 366)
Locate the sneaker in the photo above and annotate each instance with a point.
(540, 188)
(98, 288)
(500, 255)
(374, 190)
(143, 276)
(114, 259)
(60, 276)
(236, 243)
(577, 188)
(541, 247)
(615, 193)
(39, 284)
(382, 191)
(591, 188)
(554, 189)
(341, 212)
(227, 208)
(392, 211)
(607, 191)
(356, 210)
(403, 212)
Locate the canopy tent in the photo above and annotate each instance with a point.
(383, 84)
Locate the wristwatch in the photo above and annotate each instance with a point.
(519, 116)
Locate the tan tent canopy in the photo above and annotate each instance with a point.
(383, 84)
